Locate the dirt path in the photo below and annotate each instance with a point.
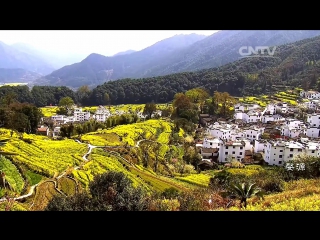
(85, 158)
(33, 188)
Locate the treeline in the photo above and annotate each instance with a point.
(295, 65)
(19, 117)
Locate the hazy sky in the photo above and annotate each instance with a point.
(106, 42)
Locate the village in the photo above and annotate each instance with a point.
(80, 116)
(272, 135)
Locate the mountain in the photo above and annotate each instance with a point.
(293, 65)
(10, 57)
(223, 47)
(17, 75)
(173, 55)
(56, 60)
(96, 68)
(124, 53)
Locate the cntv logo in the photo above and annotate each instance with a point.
(258, 51)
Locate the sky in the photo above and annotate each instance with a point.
(85, 42)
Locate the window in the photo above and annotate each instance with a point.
(233, 152)
(312, 151)
(280, 162)
(234, 147)
(280, 156)
(226, 147)
(291, 155)
(241, 147)
(226, 153)
(247, 135)
(281, 151)
(240, 153)
(299, 150)
(210, 143)
(291, 149)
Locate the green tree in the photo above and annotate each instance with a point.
(66, 103)
(197, 95)
(243, 192)
(111, 191)
(149, 109)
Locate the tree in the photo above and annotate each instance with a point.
(149, 109)
(243, 192)
(181, 103)
(66, 103)
(83, 93)
(111, 191)
(106, 98)
(197, 95)
(222, 103)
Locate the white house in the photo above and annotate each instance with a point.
(267, 118)
(310, 94)
(211, 143)
(61, 118)
(313, 132)
(291, 132)
(80, 116)
(259, 145)
(314, 119)
(101, 114)
(254, 116)
(253, 132)
(270, 109)
(56, 132)
(239, 107)
(235, 149)
(279, 152)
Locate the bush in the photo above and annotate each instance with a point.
(269, 180)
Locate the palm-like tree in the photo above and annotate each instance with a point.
(243, 192)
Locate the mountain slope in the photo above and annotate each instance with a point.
(223, 47)
(10, 57)
(96, 68)
(124, 53)
(17, 75)
(177, 54)
(293, 65)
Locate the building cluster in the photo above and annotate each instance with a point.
(263, 131)
(80, 116)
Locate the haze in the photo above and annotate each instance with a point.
(81, 43)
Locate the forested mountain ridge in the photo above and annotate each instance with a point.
(180, 53)
(294, 64)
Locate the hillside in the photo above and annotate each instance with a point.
(124, 53)
(180, 53)
(295, 65)
(10, 57)
(96, 68)
(9, 75)
(223, 47)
